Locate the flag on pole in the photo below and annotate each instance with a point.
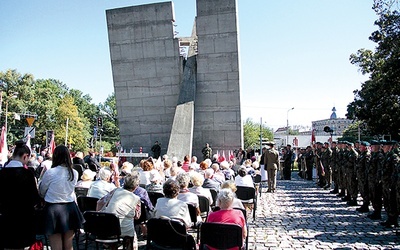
(3, 146)
(312, 136)
(52, 144)
(28, 141)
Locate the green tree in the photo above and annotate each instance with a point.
(108, 111)
(75, 136)
(251, 133)
(377, 103)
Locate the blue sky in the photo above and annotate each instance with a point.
(293, 53)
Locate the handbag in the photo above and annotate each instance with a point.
(103, 202)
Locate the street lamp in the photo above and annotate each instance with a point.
(287, 125)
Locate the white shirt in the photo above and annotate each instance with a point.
(100, 188)
(245, 181)
(123, 204)
(203, 192)
(56, 187)
(174, 209)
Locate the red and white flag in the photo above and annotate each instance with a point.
(52, 144)
(312, 136)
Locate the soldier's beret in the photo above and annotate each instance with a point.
(375, 142)
(326, 143)
(349, 143)
(390, 143)
(334, 142)
(319, 143)
(365, 143)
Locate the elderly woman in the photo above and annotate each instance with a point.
(197, 181)
(86, 179)
(124, 203)
(243, 179)
(170, 206)
(148, 172)
(228, 215)
(232, 186)
(102, 186)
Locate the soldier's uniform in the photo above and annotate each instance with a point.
(326, 163)
(309, 163)
(351, 176)
(335, 168)
(363, 162)
(389, 179)
(345, 159)
(341, 170)
(375, 180)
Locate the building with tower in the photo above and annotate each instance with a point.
(337, 124)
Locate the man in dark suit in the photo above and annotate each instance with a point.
(209, 182)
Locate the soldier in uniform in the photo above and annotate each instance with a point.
(375, 179)
(320, 170)
(207, 152)
(345, 159)
(271, 162)
(389, 170)
(351, 176)
(341, 170)
(335, 167)
(326, 163)
(309, 163)
(362, 168)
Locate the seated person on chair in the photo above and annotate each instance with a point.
(243, 179)
(232, 186)
(197, 181)
(102, 186)
(227, 214)
(123, 203)
(86, 179)
(169, 206)
(185, 195)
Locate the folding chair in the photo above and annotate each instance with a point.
(81, 191)
(204, 206)
(154, 197)
(165, 233)
(257, 183)
(103, 228)
(86, 203)
(214, 195)
(248, 197)
(221, 236)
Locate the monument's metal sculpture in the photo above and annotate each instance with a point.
(181, 100)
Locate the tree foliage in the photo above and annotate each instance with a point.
(51, 102)
(377, 103)
(251, 133)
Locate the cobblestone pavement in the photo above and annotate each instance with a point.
(301, 216)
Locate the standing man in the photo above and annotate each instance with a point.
(207, 152)
(156, 149)
(335, 167)
(287, 165)
(326, 162)
(375, 180)
(351, 174)
(363, 163)
(309, 163)
(271, 163)
(389, 170)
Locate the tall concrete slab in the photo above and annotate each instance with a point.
(156, 99)
(147, 72)
(217, 108)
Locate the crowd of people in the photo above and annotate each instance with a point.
(49, 182)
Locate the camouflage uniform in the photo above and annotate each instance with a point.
(374, 182)
(363, 162)
(341, 171)
(335, 169)
(389, 171)
(351, 177)
(326, 163)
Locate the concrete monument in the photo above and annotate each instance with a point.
(180, 100)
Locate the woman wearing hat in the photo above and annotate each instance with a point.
(86, 179)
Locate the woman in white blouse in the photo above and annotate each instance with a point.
(63, 216)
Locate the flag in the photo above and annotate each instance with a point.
(52, 144)
(312, 136)
(3, 146)
(28, 141)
